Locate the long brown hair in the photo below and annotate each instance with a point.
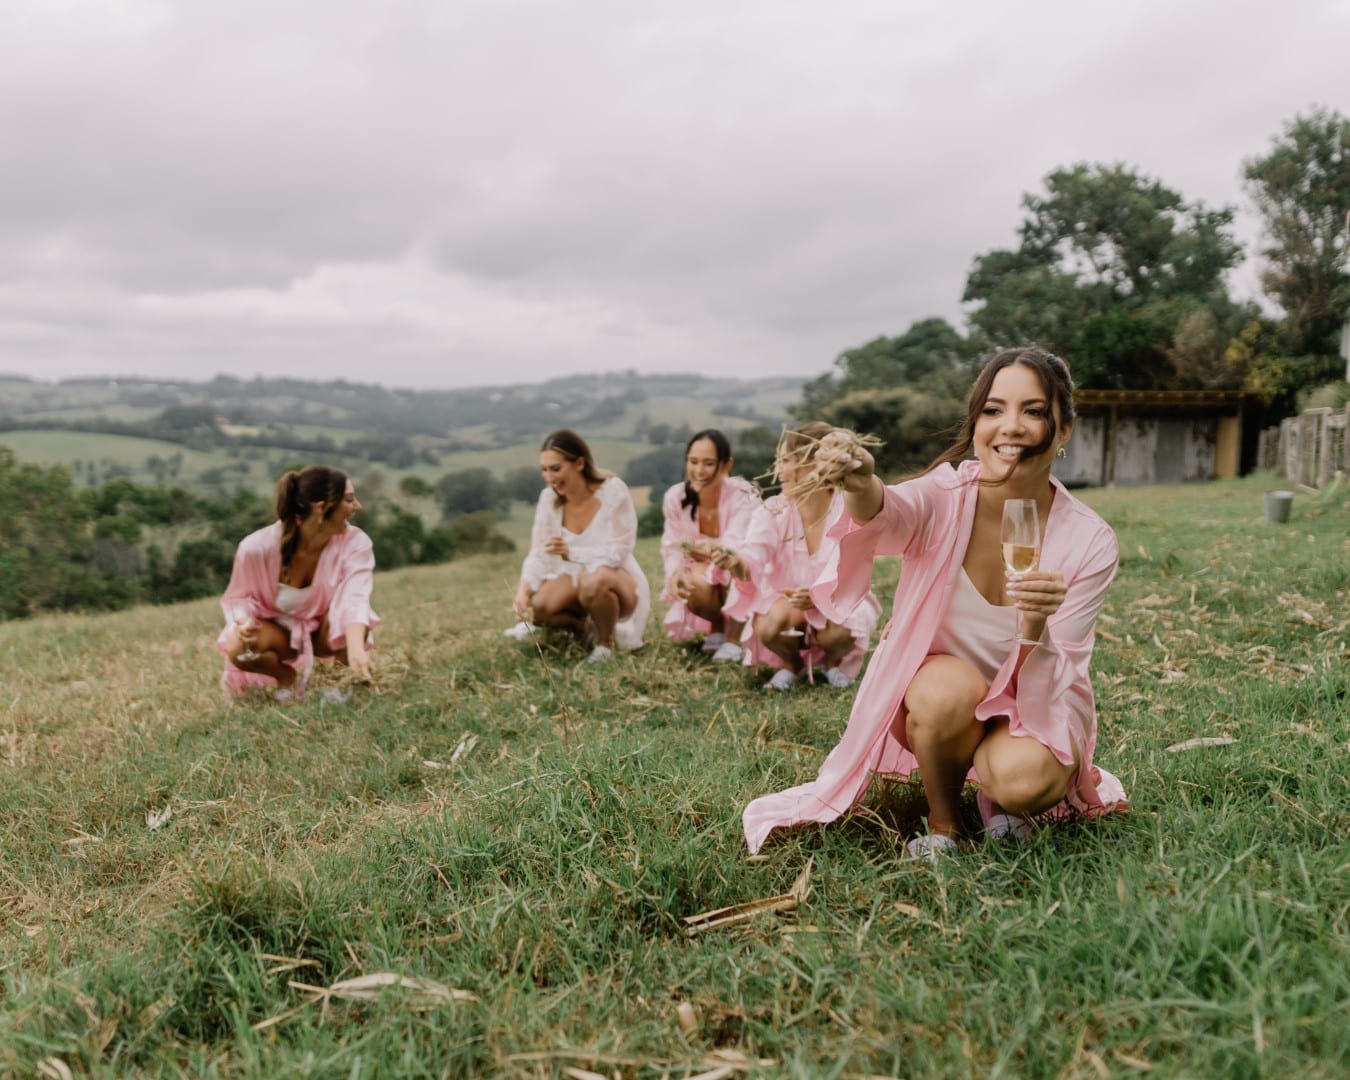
(1055, 380)
(721, 446)
(298, 491)
(573, 447)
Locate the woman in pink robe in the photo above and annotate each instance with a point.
(788, 546)
(300, 588)
(711, 509)
(958, 699)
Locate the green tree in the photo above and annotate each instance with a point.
(1302, 190)
(44, 539)
(906, 390)
(1110, 264)
(468, 491)
(523, 484)
(414, 487)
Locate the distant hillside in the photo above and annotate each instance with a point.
(233, 433)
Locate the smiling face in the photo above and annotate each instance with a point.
(335, 520)
(702, 470)
(563, 476)
(346, 509)
(1015, 419)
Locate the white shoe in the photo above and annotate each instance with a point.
(1001, 825)
(713, 642)
(932, 846)
(782, 680)
(519, 632)
(600, 654)
(730, 651)
(836, 678)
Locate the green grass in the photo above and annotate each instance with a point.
(548, 870)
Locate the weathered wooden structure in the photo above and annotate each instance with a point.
(1308, 449)
(1154, 437)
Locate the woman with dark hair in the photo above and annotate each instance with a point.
(300, 588)
(984, 673)
(580, 573)
(710, 510)
(787, 547)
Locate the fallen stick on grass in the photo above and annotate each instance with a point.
(418, 993)
(739, 913)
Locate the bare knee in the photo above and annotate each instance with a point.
(942, 697)
(1021, 786)
(769, 625)
(835, 640)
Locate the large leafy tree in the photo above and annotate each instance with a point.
(907, 390)
(1302, 190)
(1110, 265)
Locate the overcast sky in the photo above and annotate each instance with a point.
(442, 193)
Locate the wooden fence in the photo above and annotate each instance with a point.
(1308, 449)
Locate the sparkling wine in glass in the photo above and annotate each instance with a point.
(1020, 538)
(243, 620)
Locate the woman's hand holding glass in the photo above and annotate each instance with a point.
(246, 632)
(799, 599)
(1037, 594)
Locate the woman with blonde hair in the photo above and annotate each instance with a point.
(300, 588)
(787, 547)
(580, 573)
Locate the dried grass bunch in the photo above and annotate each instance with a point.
(819, 456)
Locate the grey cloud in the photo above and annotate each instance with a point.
(422, 190)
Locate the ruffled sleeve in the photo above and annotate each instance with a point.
(673, 535)
(1053, 689)
(538, 563)
(740, 502)
(355, 578)
(757, 550)
(257, 566)
(903, 526)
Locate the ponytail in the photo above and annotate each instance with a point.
(298, 492)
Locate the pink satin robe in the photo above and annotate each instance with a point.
(341, 590)
(928, 521)
(774, 551)
(735, 507)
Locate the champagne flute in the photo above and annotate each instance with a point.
(243, 620)
(1020, 539)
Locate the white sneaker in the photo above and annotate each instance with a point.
(519, 632)
(782, 680)
(713, 642)
(1001, 825)
(729, 650)
(931, 846)
(836, 678)
(599, 654)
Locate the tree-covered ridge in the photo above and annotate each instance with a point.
(63, 548)
(1127, 280)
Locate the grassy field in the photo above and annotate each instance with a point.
(184, 883)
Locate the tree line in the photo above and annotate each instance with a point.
(65, 548)
(1126, 279)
